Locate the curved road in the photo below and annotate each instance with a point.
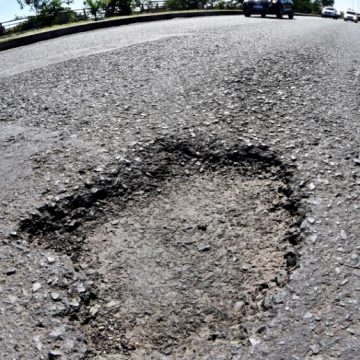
(73, 106)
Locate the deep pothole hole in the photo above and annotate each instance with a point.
(188, 256)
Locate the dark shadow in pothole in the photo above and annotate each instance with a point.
(191, 242)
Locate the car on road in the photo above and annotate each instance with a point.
(265, 7)
(350, 15)
(329, 12)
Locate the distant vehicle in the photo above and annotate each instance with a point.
(329, 12)
(265, 7)
(350, 15)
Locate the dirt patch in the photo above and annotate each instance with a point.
(190, 243)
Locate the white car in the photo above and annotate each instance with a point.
(329, 12)
(350, 15)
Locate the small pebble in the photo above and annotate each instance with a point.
(55, 295)
(315, 349)
(55, 354)
(10, 271)
(312, 186)
(36, 286)
(204, 248)
(50, 259)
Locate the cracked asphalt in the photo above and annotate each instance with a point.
(74, 109)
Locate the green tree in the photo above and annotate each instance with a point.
(317, 6)
(95, 6)
(173, 4)
(51, 8)
(328, 2)
(117, 7)
(45, 6)
(47, 13)
(308, 6)
(181, 4)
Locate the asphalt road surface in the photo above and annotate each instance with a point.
(184, 189)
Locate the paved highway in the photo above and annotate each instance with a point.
(238, 28)
(74, 109)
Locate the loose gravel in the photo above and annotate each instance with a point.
(259, 161)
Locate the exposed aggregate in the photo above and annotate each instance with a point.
(291, 85)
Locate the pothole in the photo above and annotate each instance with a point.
(190, 248)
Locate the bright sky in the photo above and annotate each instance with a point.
(10, 8)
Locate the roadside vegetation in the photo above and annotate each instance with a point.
(54, 13)
(58, 12)
(311, 6)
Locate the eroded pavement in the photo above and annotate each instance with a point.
(196, 196)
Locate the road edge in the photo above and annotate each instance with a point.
(51, 34)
